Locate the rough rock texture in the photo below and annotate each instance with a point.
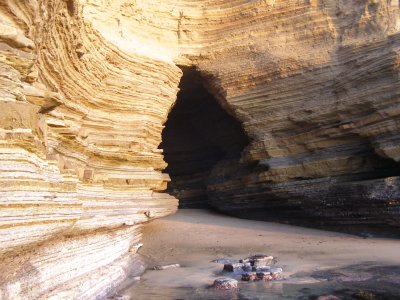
(320, 101)
(80, 169)
(86, 86)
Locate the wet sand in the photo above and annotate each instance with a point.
(193, 238)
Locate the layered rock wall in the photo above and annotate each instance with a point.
(319, 100)
(80, 169)
(86, 86)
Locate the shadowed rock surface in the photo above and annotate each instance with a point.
(363, 281)
(198, 134)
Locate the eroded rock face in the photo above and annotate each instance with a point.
(87, 85)
(80, 169)
(321, 111)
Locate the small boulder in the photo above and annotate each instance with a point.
(258, 260)
(225, 284)
(233, 267)
(261, 269)
(267, 276)
(249, 276)
(261, 260)
(264, 275)
(247, 267)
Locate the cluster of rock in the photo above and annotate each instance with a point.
(253, 268)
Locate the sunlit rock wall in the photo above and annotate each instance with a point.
(81, 122)
(86, 86)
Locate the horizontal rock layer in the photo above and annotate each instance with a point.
(86, 86)
(79, 158)
(322, 121)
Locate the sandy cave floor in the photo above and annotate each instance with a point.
(194, 237)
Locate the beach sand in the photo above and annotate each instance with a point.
(194, 237)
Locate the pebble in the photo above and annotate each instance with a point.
(136, 278)
(166, 267)
(225, 284)
(120, 297)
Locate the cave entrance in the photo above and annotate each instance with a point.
(197, 135)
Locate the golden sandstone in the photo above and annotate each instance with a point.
(86, 87)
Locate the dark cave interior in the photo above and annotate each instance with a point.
(198, 134)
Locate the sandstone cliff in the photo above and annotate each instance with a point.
(86, 86)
